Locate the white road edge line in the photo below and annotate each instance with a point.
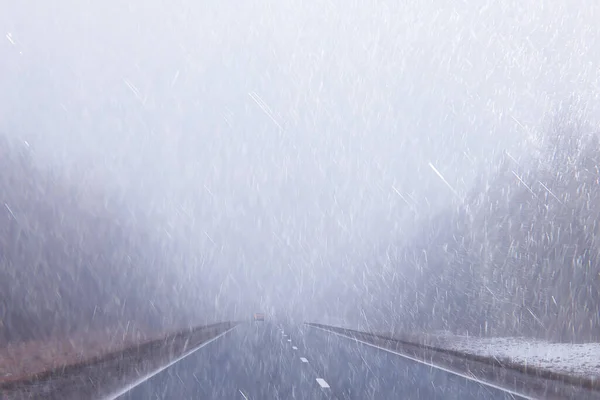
(471, 378)
(150, 375)
(304, 360)
(294, 347)
(322, 383)
(243, 395)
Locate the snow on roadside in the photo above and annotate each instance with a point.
(574, 359)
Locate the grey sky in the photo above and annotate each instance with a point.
(290, 141)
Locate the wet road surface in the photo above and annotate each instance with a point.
(263, 360)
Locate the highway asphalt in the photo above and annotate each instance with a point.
(263, 360)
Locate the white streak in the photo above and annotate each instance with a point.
(209, 238)
(208, 190)
(263, 106)
(524, 184)
(511, 157)
(135, 90)
(443, 179)
(549, 191)
(10, 211)
(517, 121)
(322, 383)
(401, 196)
(174, 80)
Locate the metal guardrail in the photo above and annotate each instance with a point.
(529, 370)
(91, 377)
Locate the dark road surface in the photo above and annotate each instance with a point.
(264, 361)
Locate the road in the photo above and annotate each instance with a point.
(263, 360)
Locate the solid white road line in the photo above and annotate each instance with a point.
(243, 395)
(471, 378)
(150, 375)
(322, 383)
(304, 360)
(294, 347)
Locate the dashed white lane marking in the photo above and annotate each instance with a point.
(471, 378)
(294, 347)
(304, 360)
(322, 383)
(243, 395)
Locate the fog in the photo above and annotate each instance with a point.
(286, 150)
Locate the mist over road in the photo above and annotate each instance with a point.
(270, 361)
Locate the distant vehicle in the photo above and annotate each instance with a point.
(259, 317)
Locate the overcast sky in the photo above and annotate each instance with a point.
(293, 141)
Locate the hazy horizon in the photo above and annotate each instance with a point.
(290, 146)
